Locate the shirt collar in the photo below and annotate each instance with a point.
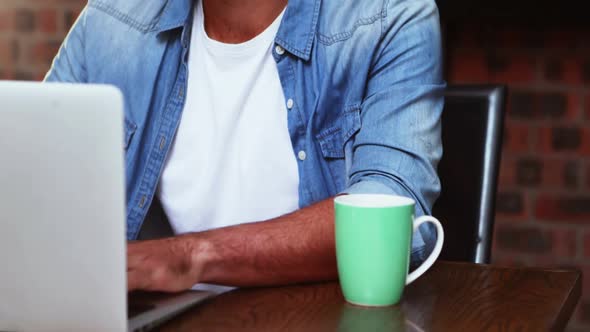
(296, 33)
(175, 15)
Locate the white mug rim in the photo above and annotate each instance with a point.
(374, 200)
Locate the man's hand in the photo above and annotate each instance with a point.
(166, 265)
(294, 248)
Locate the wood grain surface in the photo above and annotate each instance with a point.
(449, 297)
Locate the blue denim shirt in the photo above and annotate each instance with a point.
(365, 78)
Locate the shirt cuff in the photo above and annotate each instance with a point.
(369, 187)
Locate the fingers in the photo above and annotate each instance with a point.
(135, 280)
(138, 277)
(154, 266)
(156, 279)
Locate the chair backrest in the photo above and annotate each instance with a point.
(472, 129)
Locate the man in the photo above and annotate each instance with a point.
(244, 118)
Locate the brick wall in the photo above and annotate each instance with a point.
(544, 196)
(543, 208)
(30, 34)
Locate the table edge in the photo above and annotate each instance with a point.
(504, 267)
(569, 304)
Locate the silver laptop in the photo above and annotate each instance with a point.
(62, 214)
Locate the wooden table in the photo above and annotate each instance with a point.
(450, 297)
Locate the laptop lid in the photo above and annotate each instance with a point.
(62, 210)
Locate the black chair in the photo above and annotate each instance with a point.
(472, 129)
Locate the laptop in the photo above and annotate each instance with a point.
(62, 214)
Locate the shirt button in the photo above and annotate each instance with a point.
(142, 202)
(290, 104)
(279, 50)
(302, 155)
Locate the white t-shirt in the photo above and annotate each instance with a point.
(232, 161)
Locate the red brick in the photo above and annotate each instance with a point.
(40, 76)
(560, 173)
(556, 105)
(43, 52)
(563, 209)
(585, 148)
(512, 205)
(586, 245)
(544, 140)
(528, 171)
(6, 20)
(468, 66)
(507, 175)
(70, 17)
(522, 104)
(518, 137)
(532, 240)
(552, 105)
(507, 258)
(47, 20)
(574, 106)
(6, 75)
(573, 140)
(565, 243)
(567, 70)
(516, 69)
(526, 239)
(572, 71)
(6, 53)
(25, 21)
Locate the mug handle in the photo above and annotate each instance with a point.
(440, 235)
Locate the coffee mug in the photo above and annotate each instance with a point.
(373, 247)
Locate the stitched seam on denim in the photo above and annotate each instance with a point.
(298, 110)
(332, 130)
(290, 47)
(384, 16)
(352, 109)
(342, 36)
(152, 171)
(328, 132)
(316, 15)
(329, 151)
(120, 16)
(395, 176)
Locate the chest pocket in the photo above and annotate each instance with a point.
(333, 138)
(130, 129)
(332, 141)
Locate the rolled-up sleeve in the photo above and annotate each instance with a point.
(69, 65)
(398, 147)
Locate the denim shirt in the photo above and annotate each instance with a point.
(364, 78)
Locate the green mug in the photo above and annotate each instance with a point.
(373, 246)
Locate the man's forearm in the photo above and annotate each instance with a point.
(298, 247)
